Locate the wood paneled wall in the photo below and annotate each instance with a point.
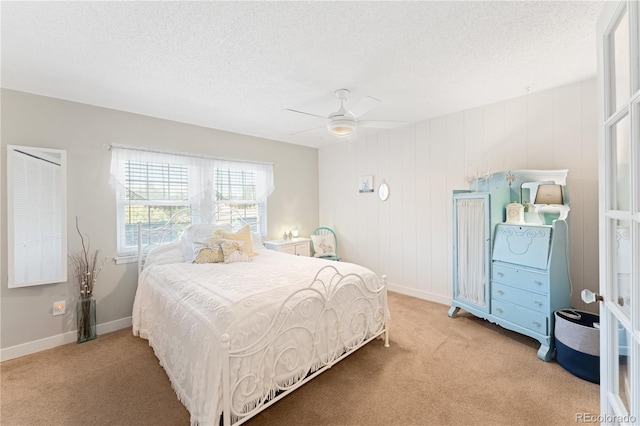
(409, 237)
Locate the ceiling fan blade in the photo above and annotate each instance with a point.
(365, 105)
(305, 113)
(381, 124)
(307, 130)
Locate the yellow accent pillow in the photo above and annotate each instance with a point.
(242, 234)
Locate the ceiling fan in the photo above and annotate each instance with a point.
(344, 122)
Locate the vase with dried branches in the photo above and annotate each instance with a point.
(86, 267)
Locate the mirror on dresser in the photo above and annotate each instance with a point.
(36, 215)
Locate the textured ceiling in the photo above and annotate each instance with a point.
(236, 66)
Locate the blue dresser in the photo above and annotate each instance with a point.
(512, 274)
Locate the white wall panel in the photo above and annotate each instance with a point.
(567, 123)
(455, 178)
(515, 134)
(371, 240)
(348, 188)
(423, 213)
(439, 207)
(540, 131)
(409, 236)
(408, 221)
(395, 206)
(589, 178)
(362, 206)
(385, 229)
(493, 146)
(473, 142)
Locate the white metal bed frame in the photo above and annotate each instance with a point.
(322, 290)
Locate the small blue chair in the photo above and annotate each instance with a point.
(328, 232)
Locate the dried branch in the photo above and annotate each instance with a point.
(85, 265)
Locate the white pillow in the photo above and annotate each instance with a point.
(166, 253)
(256, 241)
(324, 245)
(198, 232)
(233, 251)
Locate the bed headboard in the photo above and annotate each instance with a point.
(149, 238)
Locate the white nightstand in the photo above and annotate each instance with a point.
(296, 246)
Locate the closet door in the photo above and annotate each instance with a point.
(619, 218)
(471, 253)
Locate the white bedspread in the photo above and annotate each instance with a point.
(183, 309)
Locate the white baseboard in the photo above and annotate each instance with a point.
(59, 340)
(420, 294)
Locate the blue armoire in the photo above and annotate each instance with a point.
(513, 270)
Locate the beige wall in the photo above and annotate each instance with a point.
(408, 237)
(82, 130)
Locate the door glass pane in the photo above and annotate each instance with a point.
(621, 65)
(636, 86)
(624, 377)
(622, 271)
(621, 151)
(636, 125)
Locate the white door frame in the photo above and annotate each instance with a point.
(619, 322)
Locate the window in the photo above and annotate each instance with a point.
(153, 187)
(154, 192)
(235, 196)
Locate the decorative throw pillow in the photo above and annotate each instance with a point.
(234, 251)
(208, 251)
(243, 234)
(323, 245)
(198, 232)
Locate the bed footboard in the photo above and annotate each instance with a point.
(313, 329)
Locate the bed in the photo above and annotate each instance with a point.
(236, 337)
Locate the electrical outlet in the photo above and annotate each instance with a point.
(59, 308)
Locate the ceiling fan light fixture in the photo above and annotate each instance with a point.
(342, 126)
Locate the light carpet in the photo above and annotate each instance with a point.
(438, 371)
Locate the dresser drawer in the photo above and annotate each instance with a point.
(296, 246)
(288, 249)
(527, 299)
(519, 277)
(523, 317)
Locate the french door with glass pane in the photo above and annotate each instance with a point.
(619, 218)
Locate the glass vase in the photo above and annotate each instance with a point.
(86, 319)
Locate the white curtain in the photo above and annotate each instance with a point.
(471, 250)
